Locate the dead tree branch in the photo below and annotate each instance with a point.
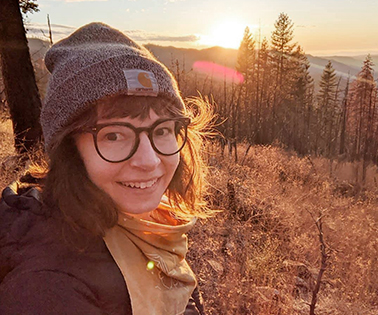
(323, 263)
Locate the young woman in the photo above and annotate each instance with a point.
(105, 231)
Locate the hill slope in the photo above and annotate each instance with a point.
(169, 56)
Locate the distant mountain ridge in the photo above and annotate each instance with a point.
(169, 54)
(185, 57)
(343, 65)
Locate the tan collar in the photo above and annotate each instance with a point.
(151, 257)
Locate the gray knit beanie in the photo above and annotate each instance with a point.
(94, 62)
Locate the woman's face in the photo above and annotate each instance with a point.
(137, 184)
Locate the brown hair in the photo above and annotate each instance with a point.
(83, 204)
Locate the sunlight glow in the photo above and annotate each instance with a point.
(227, 33)
(218, 71)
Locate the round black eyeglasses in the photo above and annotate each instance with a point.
(117, 142)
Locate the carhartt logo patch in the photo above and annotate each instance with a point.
(141, 82)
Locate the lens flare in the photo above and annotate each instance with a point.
(218, 71)
(150, 265)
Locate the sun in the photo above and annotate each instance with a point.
(227, 33)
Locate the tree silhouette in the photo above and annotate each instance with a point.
(245, 64)
(328, 112)
(300, 115)
(20, 88)
(363, 115)
(282, 65)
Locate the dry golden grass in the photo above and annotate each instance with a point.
(8, 159)
(11, 164)
(261, 254)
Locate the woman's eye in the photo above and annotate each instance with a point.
(163, 131)
(115, 134)
(112, 136)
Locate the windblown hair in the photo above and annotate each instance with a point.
(84, 205)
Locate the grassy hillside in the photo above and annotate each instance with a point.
(261, 253)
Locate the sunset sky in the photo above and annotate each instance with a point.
(322, 27)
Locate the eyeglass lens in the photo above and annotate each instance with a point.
(117, 142)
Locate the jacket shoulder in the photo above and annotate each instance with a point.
(46, 291)
(19, 212)
(19, 208)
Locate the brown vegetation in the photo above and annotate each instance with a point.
(8, 158)
(262, 255)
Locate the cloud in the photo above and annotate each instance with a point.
(84, 0)
(152, 37)
(60, 26)
(305, 26)
(41, 31)
(59, 31)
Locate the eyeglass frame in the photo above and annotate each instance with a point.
(94, 130)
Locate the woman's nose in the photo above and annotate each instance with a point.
(145, 156)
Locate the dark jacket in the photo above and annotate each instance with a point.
(41, 272)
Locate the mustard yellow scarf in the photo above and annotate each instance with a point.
(151, 257)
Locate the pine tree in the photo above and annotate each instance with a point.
(282, 70)
(246, 55)
(263, 86)
(363, 117)
(281, 46)
(327, 110)
(302, 107)
(245, 65)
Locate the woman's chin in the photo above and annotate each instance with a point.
(139, 209)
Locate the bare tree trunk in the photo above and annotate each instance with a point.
(333, 132)
(50, 32)
(19, 80)
(344, 119)
(368, 136)
(323, 264)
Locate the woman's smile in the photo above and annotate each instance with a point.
(137, 184)
(140, 184)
